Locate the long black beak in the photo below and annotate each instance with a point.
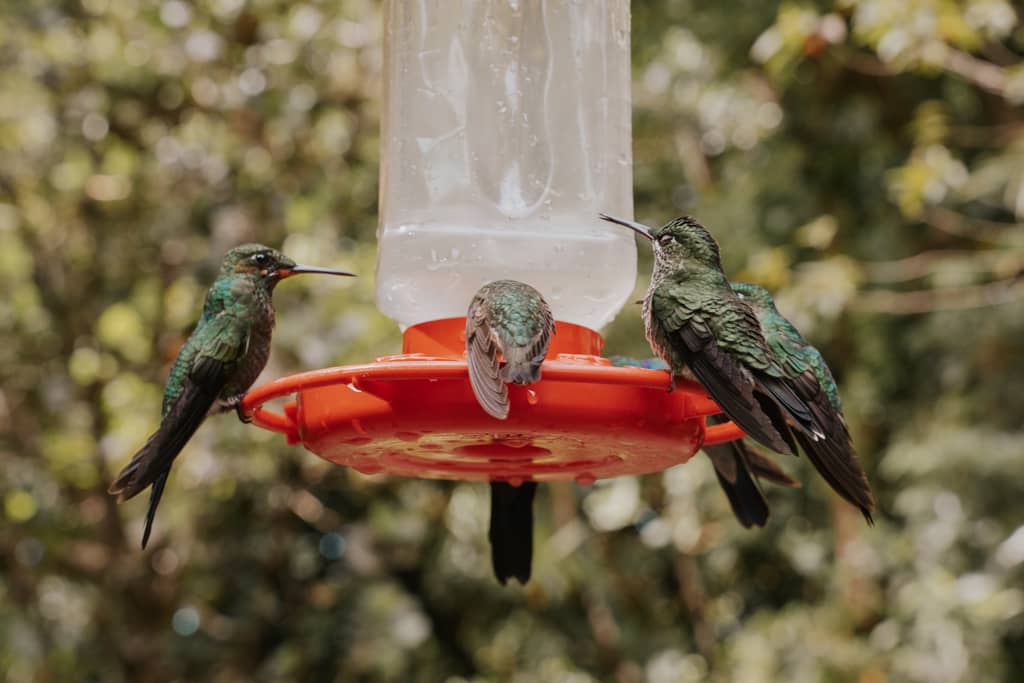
(638, 228)
(282, 273)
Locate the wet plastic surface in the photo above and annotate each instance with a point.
(415, 415)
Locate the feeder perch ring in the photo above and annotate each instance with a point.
(415, 415)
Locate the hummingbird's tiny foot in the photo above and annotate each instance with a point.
(247, 419)
(671, 382)
(236, 403)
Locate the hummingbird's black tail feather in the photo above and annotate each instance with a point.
(764, 467)
(734, 476)
(154, 501)
(511, 530)
(152, 463)
(747, 501)
(837, 463)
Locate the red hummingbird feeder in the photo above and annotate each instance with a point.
(488, 172)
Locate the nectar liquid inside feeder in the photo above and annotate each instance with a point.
(506, 130)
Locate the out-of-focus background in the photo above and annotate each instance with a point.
(863, 158)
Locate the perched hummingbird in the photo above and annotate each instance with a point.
(833, 457)
(736, 464)
(216, 366)
(510, 319)
(694, 320)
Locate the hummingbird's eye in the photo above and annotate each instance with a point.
(665, 240)
(260, 259)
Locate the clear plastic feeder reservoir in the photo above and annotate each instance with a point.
(506, 129)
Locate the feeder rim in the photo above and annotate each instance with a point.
(421, 367)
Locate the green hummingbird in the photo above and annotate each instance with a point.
(737, 465)
(695, 322)
(834, 456)
(512, 320)
(216, 366)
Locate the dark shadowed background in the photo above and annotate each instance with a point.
(863, 158)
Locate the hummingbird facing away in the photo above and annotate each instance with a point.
(693, 320)
(833, 457)
(512, 320)
(736, 464)
(216, 366)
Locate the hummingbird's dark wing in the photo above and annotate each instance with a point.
(764, 467)
(155, 457)
(795, 409)
(837, 463)
(834, 456)
(220, 345)
(732, 385)
(511, 530)
(482, 358)
(720, 339)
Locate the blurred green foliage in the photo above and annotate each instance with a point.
(865, 158)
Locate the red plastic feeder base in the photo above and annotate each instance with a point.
(415, 415)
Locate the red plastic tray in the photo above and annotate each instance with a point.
(415, 415)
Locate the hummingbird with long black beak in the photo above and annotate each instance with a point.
(507, 320)
(216, 366)
(834, 457)
(700, 327)
(737, 465)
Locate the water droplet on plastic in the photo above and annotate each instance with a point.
(585, 479)
(367, 467)
(531, 397)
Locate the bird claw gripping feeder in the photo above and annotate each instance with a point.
(506, 130)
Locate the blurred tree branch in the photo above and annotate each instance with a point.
(979, 230)
(948, 299)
